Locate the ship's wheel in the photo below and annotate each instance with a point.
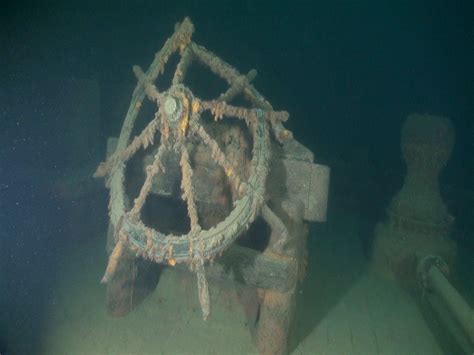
(178, 122)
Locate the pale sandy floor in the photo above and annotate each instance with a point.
(168, 322)
(342, 309)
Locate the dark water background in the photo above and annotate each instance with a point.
(349, 73)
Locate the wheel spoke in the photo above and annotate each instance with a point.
(147, 82)
(151, 171)
(239, 84)
(276, 118)
(219, 156)
(187, 187)
(180, 39)
(203, 290)
(183, 66)
(221, 108)
(144, 139)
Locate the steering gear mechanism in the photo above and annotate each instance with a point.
(178, 123)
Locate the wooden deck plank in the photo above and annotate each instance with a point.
(364, 314)
(373, 317)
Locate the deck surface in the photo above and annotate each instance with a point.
(373, 317)
(342, 309)
(355, 310)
